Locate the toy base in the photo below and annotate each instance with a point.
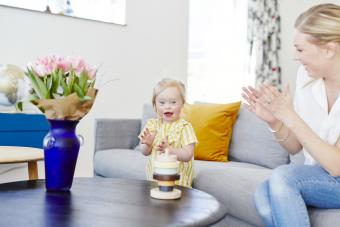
(157, 194)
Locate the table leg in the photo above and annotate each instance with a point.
(32, 170)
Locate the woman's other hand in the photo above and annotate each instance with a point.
(254, 99)
(279, 104)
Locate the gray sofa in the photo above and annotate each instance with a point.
(253, 153)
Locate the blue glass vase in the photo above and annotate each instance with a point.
(61, 148)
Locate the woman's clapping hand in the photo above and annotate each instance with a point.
(268, 103)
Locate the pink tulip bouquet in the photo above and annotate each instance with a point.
(62, 87)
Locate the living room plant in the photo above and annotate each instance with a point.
(63, 90)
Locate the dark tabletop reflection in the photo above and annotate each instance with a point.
(58, 209)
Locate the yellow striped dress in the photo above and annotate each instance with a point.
(180, 133)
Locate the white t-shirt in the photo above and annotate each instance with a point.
(311, 104)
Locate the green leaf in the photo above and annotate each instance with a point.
(85, 98)
(42, 88)
(66, 90)
(29, 98)
(79, 92)
(31, 76)
(73, 79)
(55, 83)
(62, 83)
(18, 106)
(91, 83)
(34, 102)
(49, 83)
(83, 80)
(37, 84)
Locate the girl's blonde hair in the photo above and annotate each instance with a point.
(166, 83)
(321, 22)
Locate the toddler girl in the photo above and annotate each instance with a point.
(169, 131)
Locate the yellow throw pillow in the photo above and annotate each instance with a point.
(213, 124)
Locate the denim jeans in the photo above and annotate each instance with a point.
(282, 200)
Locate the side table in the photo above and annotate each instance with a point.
(13, 154)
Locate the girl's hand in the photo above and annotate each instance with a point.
(147, 137)
(254, 104)
(163, 145)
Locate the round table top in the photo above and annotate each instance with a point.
(104, 202)
(13, 154)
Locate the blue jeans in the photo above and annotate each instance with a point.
(282, 200)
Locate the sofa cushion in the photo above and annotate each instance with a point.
(213, 124)
(122, 163)
(298, 158)
(147, 113)
(233, 184)
(252, 142)
(231, 221)
(324, 217)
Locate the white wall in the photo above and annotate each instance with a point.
(151, 46)
(290, 10)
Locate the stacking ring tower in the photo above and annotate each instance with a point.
(166, 173)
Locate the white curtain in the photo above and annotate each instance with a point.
(217, 59)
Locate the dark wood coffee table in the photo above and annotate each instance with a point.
(104, 202)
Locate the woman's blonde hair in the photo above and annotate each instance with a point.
(166, 83)
(321, 22)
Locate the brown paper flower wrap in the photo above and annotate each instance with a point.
(62, 88)
(68, 108)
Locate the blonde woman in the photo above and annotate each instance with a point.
(311, 124)
(169, 131)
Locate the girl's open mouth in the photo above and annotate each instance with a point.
(168, 114)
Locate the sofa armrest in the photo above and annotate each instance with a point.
(116, 133)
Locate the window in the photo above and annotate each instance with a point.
(217, 59)
(111, 11)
